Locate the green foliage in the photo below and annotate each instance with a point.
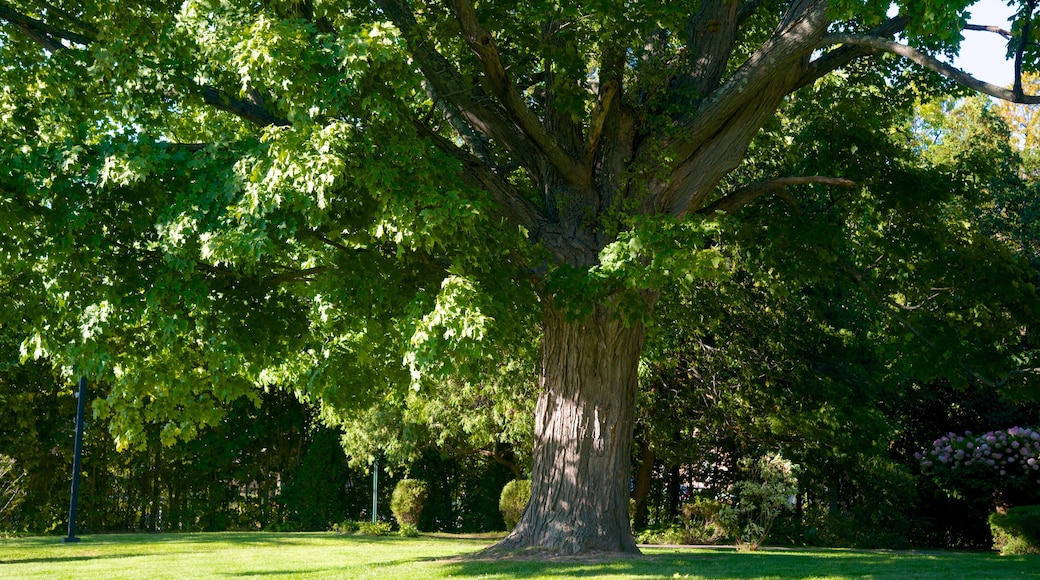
(206, 201)
(702, 523)
(408, 500)
(346, 526)
(408, 530)
(378, 528)
(11, 490)
(702, 518)
(871, 510)
(1017, 531)
(513, 501)
(769, 489)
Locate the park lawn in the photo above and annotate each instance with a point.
(328, 555)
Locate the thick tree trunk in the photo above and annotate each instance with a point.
(583, 437)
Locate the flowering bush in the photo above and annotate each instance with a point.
(758, 500)
(1008, 461)
(1014, 450)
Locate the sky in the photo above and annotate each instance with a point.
(983, 53)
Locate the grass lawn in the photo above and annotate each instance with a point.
(327, 555)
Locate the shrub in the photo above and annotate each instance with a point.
(408, 500)
(347, 527)
(703, 521)
(758, 500)
(670, 535)
(408, 531)
(875, 496)
(379, 528)
(1017, 531)
(1005, 461)
(11, 491)
(515, 496)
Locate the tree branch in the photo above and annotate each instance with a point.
(38, 29)
(607, 91)
(747, 10)
(45, 35)
(477, 142)
(65, 15)
(513, 206)
(305, 275)
(928, 62)
(1020, 50)
(450, 86)
(709, 142)
(710, 37)
(242, 108)
(844, 55)
(982, 28)
(747, 194)
(483, 46)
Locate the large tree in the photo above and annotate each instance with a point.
(207, 196)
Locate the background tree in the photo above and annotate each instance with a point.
(848, 312)
(207, 197)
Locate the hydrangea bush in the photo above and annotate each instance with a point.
(1005, 452)
(1006, 461)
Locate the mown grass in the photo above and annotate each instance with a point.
(272, 555)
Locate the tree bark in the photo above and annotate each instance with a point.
(584, 423)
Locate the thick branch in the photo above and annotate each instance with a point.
(748, 9)
(930, 63)
(450, 86)
(66, 15)
(839, 57)
(240, 107)
(599, 116)
(710, 142)
(710, 37)
(747, 194)
(483, 46)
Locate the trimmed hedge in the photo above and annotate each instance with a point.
(408, 500)
(1016, 532)
(515, 496)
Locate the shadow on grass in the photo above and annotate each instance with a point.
(727, 564)
(216, 538)
(59, 559)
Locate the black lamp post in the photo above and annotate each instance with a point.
(77, 454)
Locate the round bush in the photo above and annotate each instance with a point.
(515, 496)
(408, 500)
(1017, 531)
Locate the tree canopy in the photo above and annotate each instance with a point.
(353, 199)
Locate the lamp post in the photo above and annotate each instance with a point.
(76, 456)
(375, 488)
